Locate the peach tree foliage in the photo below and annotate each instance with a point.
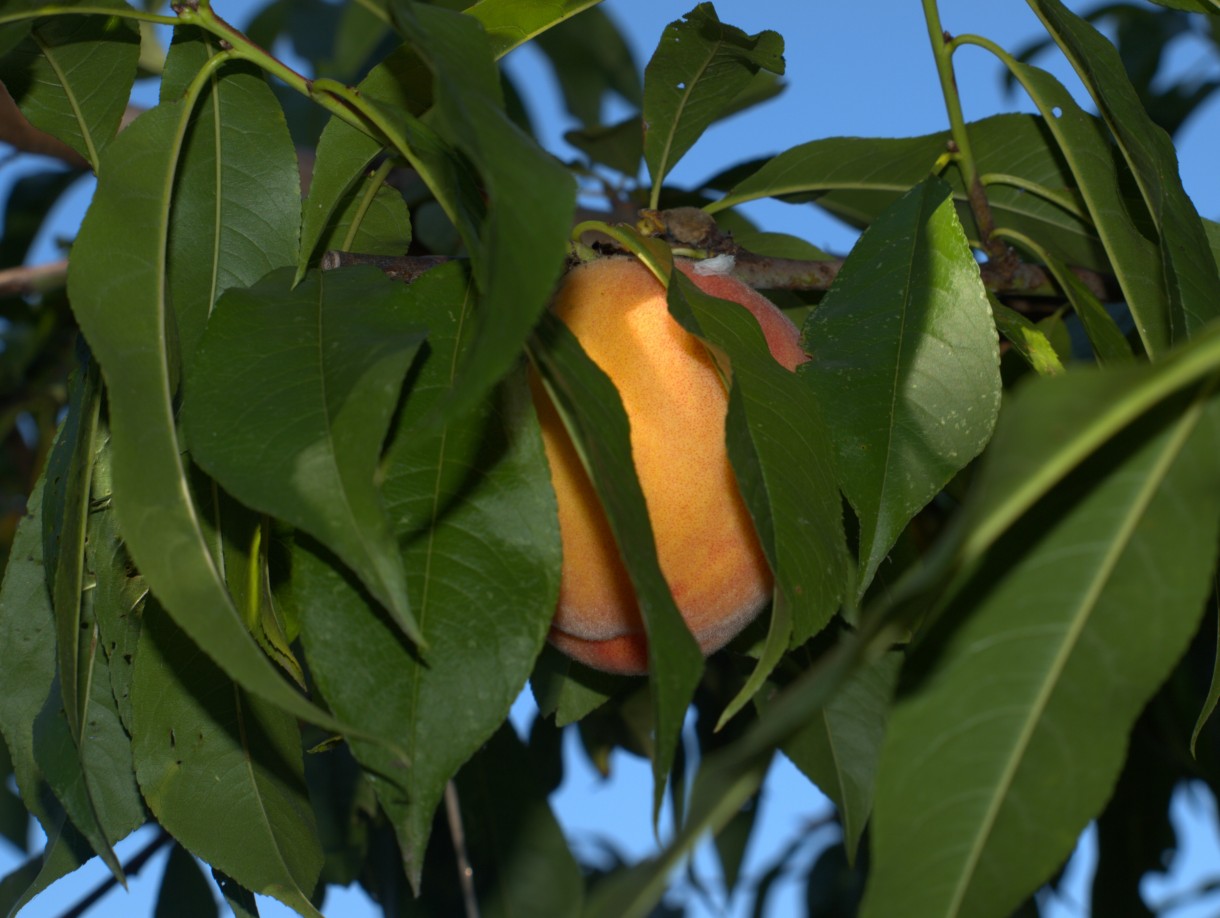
(291, 553)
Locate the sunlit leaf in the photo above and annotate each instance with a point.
(696, 73)
(905, 364)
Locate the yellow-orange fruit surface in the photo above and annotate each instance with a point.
(676, 404)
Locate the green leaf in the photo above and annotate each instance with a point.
(474, 513)
(568, 689)
(856, 179)
(593, 414)
(522, 242)
(27, 632)
(1110, 345)
(1026, 338)
(619, 146)
(520, 861)
(1010, 731)
(375, 221)
(344, 153)
(591, 58)
(1209, 703)
(65, 520)
(205, 747)
(841, 746)
(778, 446)
(1089, 153)
(1052, 426)
(239, 899)
(236, 206)
(330, 355)
(1189, 271)
(185, 891)
(94, 780)
(697, 71)
(905, 364)
(72, 77)
(116, 283)
(65, 851)
(511, 23)
(118, 591)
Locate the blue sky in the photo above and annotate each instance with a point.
(853, 69)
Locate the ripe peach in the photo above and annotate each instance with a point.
(676, 404)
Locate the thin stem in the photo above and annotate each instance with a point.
(453, 813)
(119, 12)
(943, 47)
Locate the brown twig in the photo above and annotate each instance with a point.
(453, 812)
(33, 278)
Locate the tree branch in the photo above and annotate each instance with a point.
(24, 280)
(453, 812)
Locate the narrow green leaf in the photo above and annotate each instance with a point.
(594, 417)
(1110, 345)
(65, 851)
(1190, 273)
(1133, 257)
(204, 747)
(840, 748)
(511, 23)
(1026, 338)
(94, 780)
(856, 179)
(1039, 668)
(27, 632)
(905, 364)
(65, 519)
(779, 447)
(236, 206)
(330, 355)
(72, 77)
(118, 590)
(116, 284)
(1053, 424)
(474, 513)
(521, 245)
(697, 71)
(184, 892)
(1210, 702)
(344, 153)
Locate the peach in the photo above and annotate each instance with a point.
(676, 404)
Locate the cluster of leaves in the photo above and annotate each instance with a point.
(294, 551)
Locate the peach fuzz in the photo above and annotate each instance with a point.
(676, 404)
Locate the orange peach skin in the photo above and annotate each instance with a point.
(676, 404)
